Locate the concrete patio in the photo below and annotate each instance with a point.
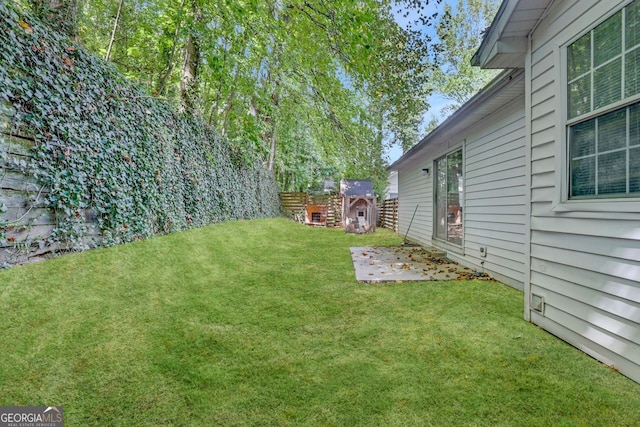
(407, 264)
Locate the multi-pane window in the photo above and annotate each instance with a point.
(603, 73)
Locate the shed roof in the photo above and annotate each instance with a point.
(356, 187)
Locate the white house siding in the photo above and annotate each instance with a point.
(416, 190)
(495, 208)
(495, 204)
(586, 265)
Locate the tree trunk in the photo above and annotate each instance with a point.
(229, 106)
(113, 32)
(273, 145)
(273, 140)
(163, 79)
(189, 81)
(216, 104)
(273, 77)
(225, 114)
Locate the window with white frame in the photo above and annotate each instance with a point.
(603, 108)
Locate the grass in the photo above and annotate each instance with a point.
(262, 323)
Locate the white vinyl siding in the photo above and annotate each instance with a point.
(495, 194)
(415, 190)
(585, 259)
(495, 205)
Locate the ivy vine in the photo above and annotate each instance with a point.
(110, 154)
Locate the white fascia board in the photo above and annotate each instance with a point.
(508, 52)
(488, 48)
(457, 120)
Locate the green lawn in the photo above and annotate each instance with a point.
(262, 323)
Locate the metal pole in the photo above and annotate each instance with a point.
(410, 222)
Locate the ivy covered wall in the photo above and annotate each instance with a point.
(88, 159)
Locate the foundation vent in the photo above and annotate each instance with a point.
(537, 303)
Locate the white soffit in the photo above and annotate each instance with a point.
(505, 44)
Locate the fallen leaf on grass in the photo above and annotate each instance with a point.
(27, 28)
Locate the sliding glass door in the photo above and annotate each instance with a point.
(449, 197)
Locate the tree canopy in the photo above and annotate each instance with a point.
(460, 29)
(314, 87)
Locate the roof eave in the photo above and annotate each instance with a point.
(508, 52)
(451, 122)
(501, 47)
(491, 34)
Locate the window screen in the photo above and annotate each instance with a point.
(603, 68)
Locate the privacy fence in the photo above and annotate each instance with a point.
(87, 159)
(388, 214)
(294, 203)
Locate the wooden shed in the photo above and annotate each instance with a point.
(359, 210)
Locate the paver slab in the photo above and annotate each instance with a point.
(403, 264)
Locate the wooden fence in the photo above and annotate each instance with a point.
(333, 204)
(26, 222)
(388, 214)
(294, 203)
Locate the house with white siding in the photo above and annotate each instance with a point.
(536, 179)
